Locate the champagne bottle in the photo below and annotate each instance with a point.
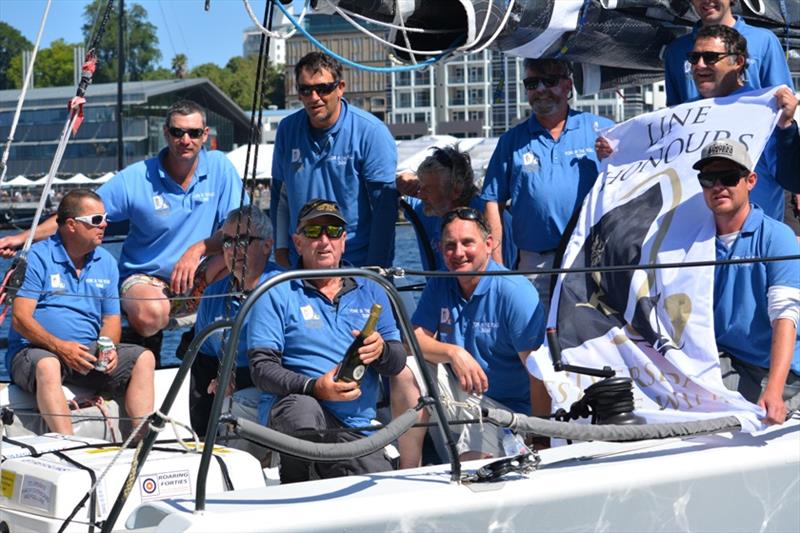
(352, 369)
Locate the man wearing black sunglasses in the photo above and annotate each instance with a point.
(174, 204)
(544, 167)
(297, 336)
(767, 66)
(331, 149)
(69, 299)
(756, 305)
(720, 56)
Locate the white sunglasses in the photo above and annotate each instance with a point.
(93, 220)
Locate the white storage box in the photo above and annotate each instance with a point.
(38, 493)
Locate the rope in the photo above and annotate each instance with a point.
(22, 94)
(269, 32)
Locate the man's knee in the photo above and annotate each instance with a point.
(297, 412)
(48, 372)
(147, 308)
(146, 362)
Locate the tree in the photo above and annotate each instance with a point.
(12, 44)
(160, 73)
(53, 66)
(238, 79)
(180, 65)
(141, 43)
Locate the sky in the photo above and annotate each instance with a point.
(183, 25)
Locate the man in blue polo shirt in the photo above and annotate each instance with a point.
(68, 300)
(483, 327)
(333, 150)
(544, 166)
(445, 180)
(174, 203)
(766, 65)
(298, 334)
(246, 247)
(756, 305)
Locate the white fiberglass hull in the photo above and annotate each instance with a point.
(725, 483)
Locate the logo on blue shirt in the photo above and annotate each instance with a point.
(56, 282)
(159, 203)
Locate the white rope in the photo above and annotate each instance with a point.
(265, 31)
(499, 28)
(378, 38)
(472, 405)
(478, 37)
(174, 423)
(28, 76)
(394, 26)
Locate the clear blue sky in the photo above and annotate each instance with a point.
(183, 25)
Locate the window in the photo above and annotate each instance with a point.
(455, 73)
(456, 115)
(476, 96)
(404, 99)
(457, 97)
(422, 99)
(476, 115)
(422, 77)
(402, 79)
(475, 74)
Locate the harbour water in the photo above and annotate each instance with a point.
(406, 255)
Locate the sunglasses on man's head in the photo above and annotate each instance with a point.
(95, 220)
(241, 241)
(709, 58)
(727, 178)
(322, 89)
(314, 231)
(466, 213)
(194, 133)
(533, 82)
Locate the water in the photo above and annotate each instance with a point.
(406, 255)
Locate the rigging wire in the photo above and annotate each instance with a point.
(23, 93)
(269, 32)
(353, 64)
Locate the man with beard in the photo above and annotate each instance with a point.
(766, 65)
(544, 166)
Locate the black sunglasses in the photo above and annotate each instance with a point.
(466, 213)
(241, 241)
(531, 83)
(709, 58)
(322, 89)
(314, 231)
(727, 178)
(194, 133)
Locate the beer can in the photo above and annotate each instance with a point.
(104, 348)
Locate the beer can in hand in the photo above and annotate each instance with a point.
(104, 348)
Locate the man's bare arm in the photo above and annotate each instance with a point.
(11, 243)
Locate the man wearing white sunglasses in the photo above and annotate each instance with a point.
(69, 299)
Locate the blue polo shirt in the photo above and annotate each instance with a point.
(432, 226)
(741, 321)
(214, 307)
(766, 64)
(69, 306)
(502, 318)
(545, 179)
(313, 334)
(352, 163)
(164, 219)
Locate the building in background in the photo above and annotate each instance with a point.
(94, 150)
(251, 40)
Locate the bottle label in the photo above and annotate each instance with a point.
(358, 372)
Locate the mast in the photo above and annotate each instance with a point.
(120, 75)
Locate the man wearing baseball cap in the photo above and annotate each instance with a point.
(299, 332)
(756, 305)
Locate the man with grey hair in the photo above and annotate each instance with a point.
(544, 167)
(246, 247)
(174, 203)
(445, 180)
(756, 305)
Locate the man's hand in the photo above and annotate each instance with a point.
(183, 274)
(336, 391)
(10, 244)
(787, 103)
(372, 348)
(407, 184)
(76, 356)
(214, 383)
(602, 148)
(772, 402)
(469, 373)
(113, 361)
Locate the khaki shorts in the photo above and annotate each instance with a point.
(485, 438)
(23, 370)
(180, 304)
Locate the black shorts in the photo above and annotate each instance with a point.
(23, 370)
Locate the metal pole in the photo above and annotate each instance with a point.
(120, 76)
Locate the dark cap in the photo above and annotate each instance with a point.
(319, 208)
(727, 149)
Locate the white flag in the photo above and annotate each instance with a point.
(653, 325)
